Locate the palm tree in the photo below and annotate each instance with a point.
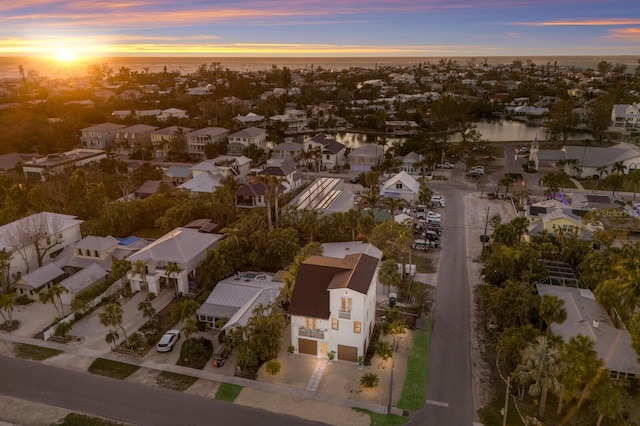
(627, 271)
(7, 303)
(140, 268)
(552, 310)
(615, 182)
(542, 365)
(634, 180)
(393, 204)
(277, 182)
(112, 338)
(601, 170)
(266, 182)
(119, 269)
(306, 155)
(371, 200)
(389, 275)
(111, 316)
(618, 167)
(53, 295)
(172, 270)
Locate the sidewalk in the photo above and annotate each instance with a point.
(325, 405)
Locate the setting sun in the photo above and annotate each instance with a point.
(66, 56)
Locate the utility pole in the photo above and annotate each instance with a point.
(486, 226)
(506, 402)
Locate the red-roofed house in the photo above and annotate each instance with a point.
(333, 306)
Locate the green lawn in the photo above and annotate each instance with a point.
(228, 392)
(175, 381)
(383, 419)
(35, 353)
(412, 399)
(113, 369)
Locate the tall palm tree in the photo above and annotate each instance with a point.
(53, 294)
(552, 310)
(371, 200)
(277, 182)
(540, 368)
(111, 316)
(393, 205)
(140, 268)
(634, 179)
(627, 271)
(601, 170)
(266, 182)
(172, 270)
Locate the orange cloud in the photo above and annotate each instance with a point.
(632, 34)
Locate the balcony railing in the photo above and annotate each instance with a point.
(306, 332)
(344, 314)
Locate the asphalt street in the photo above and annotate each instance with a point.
(449, 398)
(125, 401)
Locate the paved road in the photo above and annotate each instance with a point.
(124, 401)
(449, 399)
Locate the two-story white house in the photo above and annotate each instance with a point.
(251, 136)
(294, 119)
(332, 308)
(626, 116)
(332, 151)
(401, 186)
(198, 139)
(182, 248)
(39, 235)
(99, 136)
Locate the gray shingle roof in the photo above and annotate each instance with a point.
(180, 246)
(42, 275)
(79, 281)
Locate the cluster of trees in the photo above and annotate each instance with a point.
(535, 358)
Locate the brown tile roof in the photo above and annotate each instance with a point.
(318, 274)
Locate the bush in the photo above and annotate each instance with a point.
(369, 380)
(62, 329)
(196, 352)
(371, 350)
(273, 367)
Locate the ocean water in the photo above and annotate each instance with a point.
(52, 68)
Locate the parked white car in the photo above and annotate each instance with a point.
(168, 341)
(445, 165)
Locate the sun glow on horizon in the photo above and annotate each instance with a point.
(66, 56)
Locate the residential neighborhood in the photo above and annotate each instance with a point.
(273, 230)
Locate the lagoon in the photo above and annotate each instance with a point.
(491, 130)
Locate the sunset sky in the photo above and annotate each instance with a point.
(76, 28)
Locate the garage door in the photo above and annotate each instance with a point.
(306, 346)
(347, 353)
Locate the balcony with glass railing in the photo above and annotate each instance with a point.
(307, 332)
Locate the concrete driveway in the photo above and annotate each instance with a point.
(92, 332)
(35, 317)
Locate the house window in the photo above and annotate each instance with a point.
(346, 303)
(398, 186)
(96, 254)
(310, 324)
(334, 323)
(357, 327)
